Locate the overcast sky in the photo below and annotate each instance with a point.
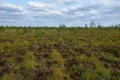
(55, 12)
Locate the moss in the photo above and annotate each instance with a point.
(102, 72)
(76, 72)
(89, 75)
(29, 66)
(42, 53)
(57, 57)
(57, 74)
(29, 61)
(12, 76)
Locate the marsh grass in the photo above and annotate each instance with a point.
(50, 53)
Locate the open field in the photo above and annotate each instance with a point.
(59, 53)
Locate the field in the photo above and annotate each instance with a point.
(42, 53)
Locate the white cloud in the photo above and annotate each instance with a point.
(11, 6)
(40, 5)
(64, 1)
(57, 11)
(53, 12)
(93, 11)
(105, 3)
(79, 13)
(11, 13)
(75, 7)
(8, 8)
(41, 8)
(64, 10)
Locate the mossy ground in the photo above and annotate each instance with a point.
(59, 53)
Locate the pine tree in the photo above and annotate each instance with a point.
(92, 24)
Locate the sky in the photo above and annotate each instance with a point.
(55, 12)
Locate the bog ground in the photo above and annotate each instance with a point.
(59, 53)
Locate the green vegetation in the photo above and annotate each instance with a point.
(49, 53)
